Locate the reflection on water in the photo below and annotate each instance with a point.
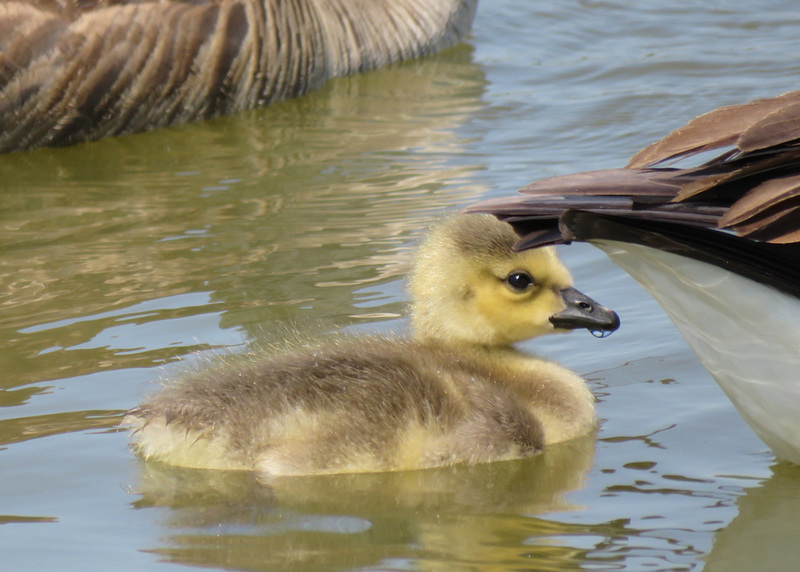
(449, 515)
(764, 534)
(24, 428)
(269, 214)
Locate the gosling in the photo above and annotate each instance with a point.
(455, 392)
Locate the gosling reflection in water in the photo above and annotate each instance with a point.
(470, 514)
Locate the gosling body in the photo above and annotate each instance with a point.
(455, 392)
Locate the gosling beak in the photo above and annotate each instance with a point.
(583, 312)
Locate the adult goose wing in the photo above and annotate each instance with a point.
(79, 70)
(716, 244)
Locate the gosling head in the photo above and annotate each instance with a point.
(469, 287)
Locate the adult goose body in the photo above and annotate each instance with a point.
(717, 244)
(79, 70)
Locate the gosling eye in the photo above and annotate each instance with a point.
(519, 280)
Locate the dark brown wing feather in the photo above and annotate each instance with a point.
(749, 126)
(740, 210)
(752, 187)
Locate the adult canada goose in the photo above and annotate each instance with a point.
(716, 244)
(456, 392)
(79, 70)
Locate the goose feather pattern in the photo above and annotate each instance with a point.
(79, 70)
(716, 244)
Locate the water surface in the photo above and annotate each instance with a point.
(121, 258)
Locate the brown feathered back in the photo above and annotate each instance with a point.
(78, 70)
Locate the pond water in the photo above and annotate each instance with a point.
(121, 258)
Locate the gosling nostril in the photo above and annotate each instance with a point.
(583, 312)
